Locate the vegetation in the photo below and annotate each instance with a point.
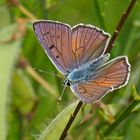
(29, 105)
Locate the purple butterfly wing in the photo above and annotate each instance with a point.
(55, 38)
(88, 43)
(68, 49)
(112, 75)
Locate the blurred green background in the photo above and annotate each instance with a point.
(29, 107)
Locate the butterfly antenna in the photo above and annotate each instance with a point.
(62, 93)
(39, 70)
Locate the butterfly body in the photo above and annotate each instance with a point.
(84, 72)
(79, 54)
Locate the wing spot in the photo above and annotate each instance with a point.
(52, 36)
(46, 34)
(58, 37)
(51, 47)
(57, 56)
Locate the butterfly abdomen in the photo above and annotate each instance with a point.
(98, 62)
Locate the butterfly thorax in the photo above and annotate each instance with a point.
(83, 73)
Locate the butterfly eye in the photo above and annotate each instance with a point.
(67, 83)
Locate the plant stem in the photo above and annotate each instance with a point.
(72, 117)
(120, 25)
(122, 117)
(26, 12)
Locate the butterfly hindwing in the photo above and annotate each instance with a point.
(112, 75)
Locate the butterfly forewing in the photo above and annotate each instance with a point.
(111, 76)
(55, 38)
(88, 43)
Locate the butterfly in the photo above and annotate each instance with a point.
(79, 54)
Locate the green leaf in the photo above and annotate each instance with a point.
(56, 127)
(23, 92)
(8, 55)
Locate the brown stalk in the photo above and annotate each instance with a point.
(64, 134)
(120, 25)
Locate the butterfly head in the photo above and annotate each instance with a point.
(66, 82)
